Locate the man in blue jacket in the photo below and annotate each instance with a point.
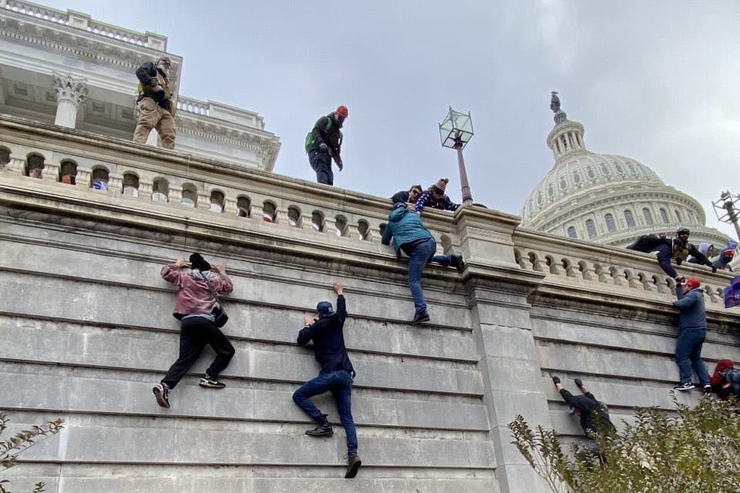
(412, 238)
(336, 374)
(692, 332)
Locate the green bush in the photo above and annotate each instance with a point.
(689, 450)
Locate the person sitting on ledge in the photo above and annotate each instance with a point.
(706, 249)
(677, 248)
(435, 198)
(412, 238)
(336, 374)
(691, 335)
(594, 416)
(197, 298)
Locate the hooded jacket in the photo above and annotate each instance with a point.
(193, 295)
(332, 137)
(404, 227)
(724, 259)
(704, 250)
(693, 315)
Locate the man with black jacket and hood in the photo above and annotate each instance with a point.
(336, 374)
(324, 143)
(677, 248)
(156, 106)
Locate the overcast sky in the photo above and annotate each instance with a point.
(656, 81)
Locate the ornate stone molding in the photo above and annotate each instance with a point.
(69, 88)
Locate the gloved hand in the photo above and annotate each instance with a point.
(324, 148)
(714, 269)
(678, 261)
(579, 382)
(680, 280)
(340, 165)
(556, 380)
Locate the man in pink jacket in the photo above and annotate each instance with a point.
(194, 307)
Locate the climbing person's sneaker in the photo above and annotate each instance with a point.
(162, 393)
(321, 430)
(707, 389)
(211, 383)
(353, 465)
(684, 386)
(420, 318)
(457, 262)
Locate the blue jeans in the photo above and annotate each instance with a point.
(688, 355)
(321, 164)
(421, 254)
(339, 383)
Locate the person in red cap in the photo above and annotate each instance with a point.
(435, 197)
(691, 335)
(324, 143)
(726, 380)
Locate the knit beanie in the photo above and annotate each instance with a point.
(441, 185)
(199, 263)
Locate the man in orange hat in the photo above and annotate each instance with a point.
(324, 143)
(691, 335)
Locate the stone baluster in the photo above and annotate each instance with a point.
(204, 201)
(353, 231)
(330, 226)
(17, 164)
(146, 188)
(51, 172)
(281, 217)
(115, 183)
(230, 207)
(70, 93)
(84, 175)
(662, 286)
(255, 211)
(587, 271)
(175, 195)
(646, 281)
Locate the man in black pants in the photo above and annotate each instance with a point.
(336, 374)
(594, 418)
(197, 297)
(677, 248)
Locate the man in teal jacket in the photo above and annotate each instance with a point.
(412, 238)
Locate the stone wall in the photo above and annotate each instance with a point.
(86, 331)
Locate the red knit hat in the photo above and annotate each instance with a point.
(693, 282)
(342, 111)
(441, 184)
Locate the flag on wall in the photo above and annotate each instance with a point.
(732, 293)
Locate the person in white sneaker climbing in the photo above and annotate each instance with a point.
(198, 308)
(336, 374)
(691, 335)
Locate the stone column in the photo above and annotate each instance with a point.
(204, 201)
(330, 226)
(175, 195)
(145, 189)
(70, 93)
(281, 217)
(51, 172)
(83, 177)
(115, 183)
(230, 206)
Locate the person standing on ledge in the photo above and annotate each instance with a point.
(435, 198)
(156, 107)
(412, 238)
(691, 335)
(336, 374)
(197, 292)
(324, 143)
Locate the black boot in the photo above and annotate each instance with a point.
(353, 465)
(457, 262)
(322, 430)
(420, 318)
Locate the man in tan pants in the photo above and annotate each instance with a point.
(156, 108)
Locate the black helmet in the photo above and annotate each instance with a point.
(683, 231)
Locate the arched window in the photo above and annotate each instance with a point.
(341, 225)
(243, 205)
(35, 165)
(131, 184)
(217, 201)
(563, 184)
(647, 215)
(629, 218)
(550, 191)
(591, 228)
(189, 195)
(269, 212)
(4, 157)
(160, 190)
(572, 232)
(317, 220)
(611, 225)
(604, 169)
(577, 177)
(364, 229)
(678, 216)
(591, 173)
(632, 168)
(68, 172)
(539, 198)
(619, 168)
(664, 216)
(294, 216)
(99, 179)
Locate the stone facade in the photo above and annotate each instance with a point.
(86, 328)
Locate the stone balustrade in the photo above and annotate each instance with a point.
(191, 105)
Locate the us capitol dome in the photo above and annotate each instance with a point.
(607, 198)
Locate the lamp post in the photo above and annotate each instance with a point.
(727, 210)
(455, 132)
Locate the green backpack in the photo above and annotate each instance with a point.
(309, 137)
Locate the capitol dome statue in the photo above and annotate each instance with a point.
(607, 198)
